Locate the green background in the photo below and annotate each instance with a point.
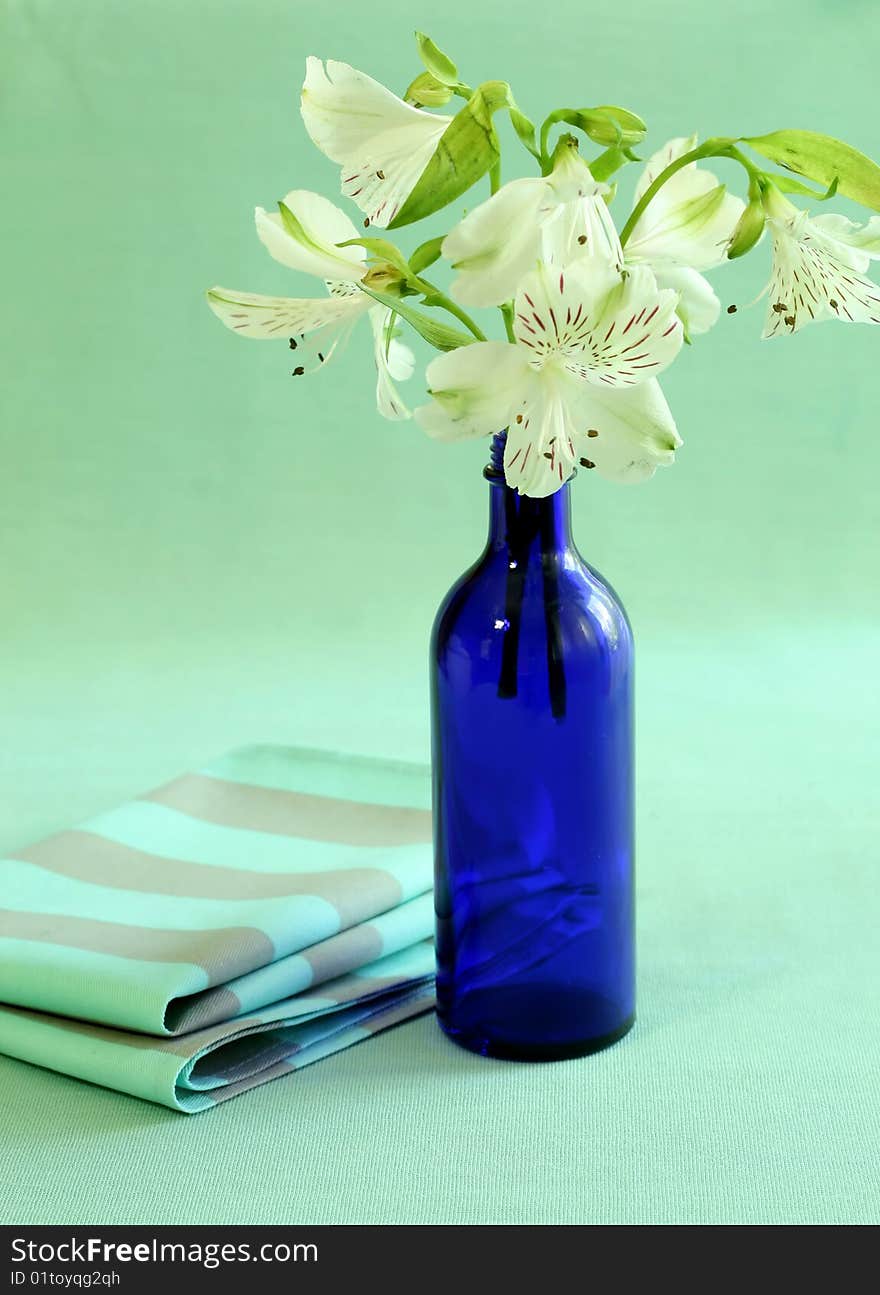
(197, 553)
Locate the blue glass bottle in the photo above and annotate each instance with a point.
(531, 674)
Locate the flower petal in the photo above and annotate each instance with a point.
(695, 232)
(698, 307)
(329, 320)
(395, 362)
(497, 243)
(864, 240)
(539, 456)
(572, 178)
(382, 144)
(474, 389)
(809, 281)
(581, 227)
(689, 221)
(254, 315)
(600, 327)
(626, 434)
(671, 151)
(323, 225)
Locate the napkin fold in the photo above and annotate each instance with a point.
(229, 927)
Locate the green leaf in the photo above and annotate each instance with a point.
(441, 336)
(382, 249)
(427, 92)
(525, 130)
(822, 158)
(467, 149)
(440, 65)
(605, 125)
(426, 254)
(787, 185)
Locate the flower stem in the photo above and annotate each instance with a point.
(544, 156)
(434, 297)
(555, 658)
(754, 172)
(520, 533)
(719, 147)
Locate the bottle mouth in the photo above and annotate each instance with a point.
(494, 469)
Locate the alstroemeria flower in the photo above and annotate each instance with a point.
(818, 267)
(554, 219)
(578, 385)
(685, 228)
(317, 328)
(382, 144)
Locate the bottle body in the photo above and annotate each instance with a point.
(531, 668)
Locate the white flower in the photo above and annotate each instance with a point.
(318, 328)
(685, 228)
(555, 219)
(578, 384)
(382, 144)
(818, 268)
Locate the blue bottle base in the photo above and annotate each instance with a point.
(495, 1023)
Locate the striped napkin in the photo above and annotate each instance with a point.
(230, 927)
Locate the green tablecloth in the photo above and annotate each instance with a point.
(746, 1092)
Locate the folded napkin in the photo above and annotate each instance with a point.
(232, 926)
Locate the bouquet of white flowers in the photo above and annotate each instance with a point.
(591, 316)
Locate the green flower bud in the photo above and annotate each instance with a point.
(427, 92)
(749, 229)
(606, 125)
(384, 277)
(440, 65)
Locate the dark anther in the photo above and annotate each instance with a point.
(587, 463)
(832, 303)
(592, 432)
(293, 343)
(547, 455)
(380, 175)
(731, 310)
(298, 371)
(582, 238)
(320, 357)
(789, 319)
(779, 307)
(367, 222)
(519, 418)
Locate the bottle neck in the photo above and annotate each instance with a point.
(516, 520)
